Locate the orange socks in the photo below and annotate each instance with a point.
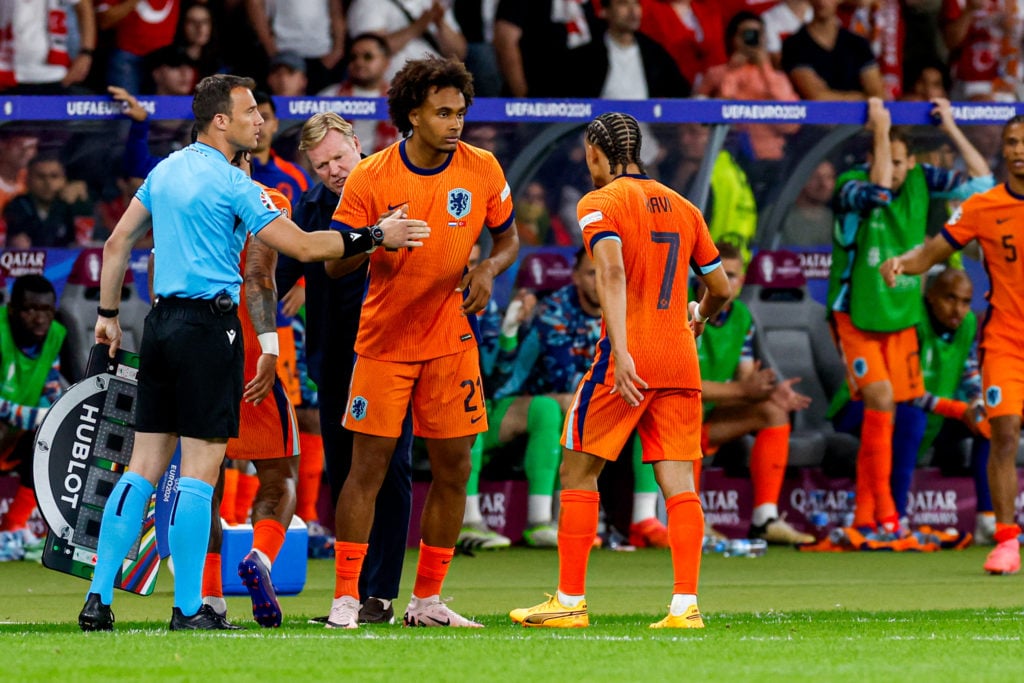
(212, 586)
(311, 467)
(577, 526)
(874, 466)
(20, 510)
(230, 495)
(431, 570)
(348, 562)
(248, 485)
(1005, 532)
(685, 537)
(268, 537)
(768, 463)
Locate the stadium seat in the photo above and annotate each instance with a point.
(77, 310)
(793, 337)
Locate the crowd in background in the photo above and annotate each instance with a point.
(68, 187)
(621, 49)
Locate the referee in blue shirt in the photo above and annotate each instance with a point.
(190, 374)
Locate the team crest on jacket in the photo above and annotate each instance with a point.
(460, 202)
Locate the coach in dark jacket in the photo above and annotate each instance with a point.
(333, 307)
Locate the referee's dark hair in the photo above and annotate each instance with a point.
(411, 86)
(213, 96)
(34, 283)
(618, 136)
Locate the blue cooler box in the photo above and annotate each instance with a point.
(289, 570)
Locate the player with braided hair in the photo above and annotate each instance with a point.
(645, 374)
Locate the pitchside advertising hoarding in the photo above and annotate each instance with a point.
(810, 500)
(817, 503)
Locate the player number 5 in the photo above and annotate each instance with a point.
(1011, 251)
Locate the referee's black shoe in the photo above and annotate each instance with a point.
(95, 616)
(206, 619)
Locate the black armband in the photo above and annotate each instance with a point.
(363, 240)
(107, 312)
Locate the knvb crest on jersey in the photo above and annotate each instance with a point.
(460, 203)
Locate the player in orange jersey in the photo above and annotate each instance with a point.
(642, 236)
(996, 220)
(267, 431)
(415, 344)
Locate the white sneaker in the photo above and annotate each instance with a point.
(344, 613)
(433, 611)
(541, 536)
(985, 530)
(479, 537)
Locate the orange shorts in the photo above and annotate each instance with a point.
(446, 393)
(668, 421)
(879, 356)
(268, 430)
(1002, 382)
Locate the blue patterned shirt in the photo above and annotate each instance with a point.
(557, 350)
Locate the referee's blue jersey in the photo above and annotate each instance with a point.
(201, 207)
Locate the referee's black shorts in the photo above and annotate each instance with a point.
(190, 370)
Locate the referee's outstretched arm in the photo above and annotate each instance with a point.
(393, 232)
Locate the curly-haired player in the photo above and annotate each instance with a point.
(414, 344)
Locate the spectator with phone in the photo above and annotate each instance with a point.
(750, 75)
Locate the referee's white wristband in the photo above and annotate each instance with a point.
(269, 343)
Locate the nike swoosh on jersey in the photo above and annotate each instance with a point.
(474, 420)
(392, 208)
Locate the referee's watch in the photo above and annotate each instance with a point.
(377, 235)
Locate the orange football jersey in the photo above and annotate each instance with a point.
(996, 219)
(412, 312)
(661, 235)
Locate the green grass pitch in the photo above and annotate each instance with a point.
(788, 616)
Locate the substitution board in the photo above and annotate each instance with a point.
(82, 448)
